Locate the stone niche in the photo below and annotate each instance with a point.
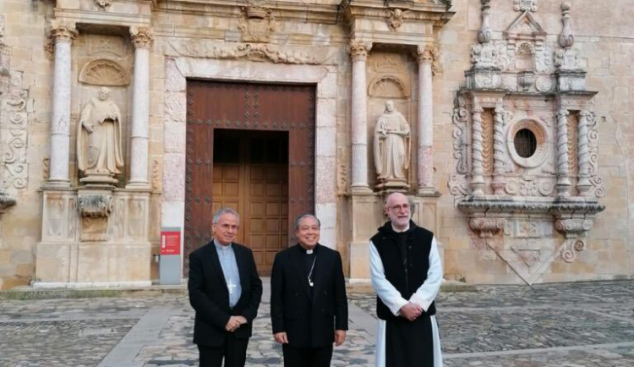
(526, 147)
(94, 237)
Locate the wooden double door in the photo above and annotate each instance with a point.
(250, 147)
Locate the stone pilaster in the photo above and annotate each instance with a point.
(425, 123)
(499, 182)
(63, 35)
(563, 181)
(359, 53)
(583, 154)
(477, 172)
(142, 39)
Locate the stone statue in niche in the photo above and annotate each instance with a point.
(99, 154)
(392, 147)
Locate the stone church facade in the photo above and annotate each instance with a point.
(506, 123)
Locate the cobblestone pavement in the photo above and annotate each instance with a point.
(560, 325)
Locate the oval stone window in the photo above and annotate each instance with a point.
(525, 143)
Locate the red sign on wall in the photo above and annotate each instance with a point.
(170, 241)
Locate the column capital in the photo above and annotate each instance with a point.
(428, 54)
(359, 49)
(142, 37)
(563, 112)
(63, 31)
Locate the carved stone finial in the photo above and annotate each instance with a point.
(62, 31)
(142, 37)
(360, 49)
(484, 35)
(566, 38)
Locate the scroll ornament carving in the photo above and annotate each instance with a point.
(156, 176)
(487, 227)
(257, 24)
(104, 72)
(142, 37)
(15, 135)
(458, 185)
(596, 180)
(253, 52)
(460, 118)
(572, 229)
(530, 187)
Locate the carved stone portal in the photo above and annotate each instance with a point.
(99, 154)
(392, 148)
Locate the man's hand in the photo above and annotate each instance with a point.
(242, 320)
(233, 323)
(281, 338)
(340, 337)
(411, 311)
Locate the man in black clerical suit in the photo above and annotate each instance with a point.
(225, 291)
(309, 308)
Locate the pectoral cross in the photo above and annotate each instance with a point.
(231, 286)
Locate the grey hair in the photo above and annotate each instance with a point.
(303, 216)
(222, 211)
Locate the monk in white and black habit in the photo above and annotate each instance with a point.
(406, 275)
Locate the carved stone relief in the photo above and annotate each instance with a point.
(103, 4)
(396, 19)
(389, 76)
(103, 45)
(257, 23)
(94, 209)
(104, 72)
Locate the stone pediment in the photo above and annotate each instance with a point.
(525, 26)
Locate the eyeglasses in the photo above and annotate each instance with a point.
(399, 207)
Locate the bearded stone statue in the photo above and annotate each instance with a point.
(99, 140)
(392, 147)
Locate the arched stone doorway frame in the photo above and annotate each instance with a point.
(179, 69)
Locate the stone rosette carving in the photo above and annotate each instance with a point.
(257, 23)
(487, 227)
(104, 72)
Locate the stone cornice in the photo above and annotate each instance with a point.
(549, 206)
(283, 10)
(373, 9)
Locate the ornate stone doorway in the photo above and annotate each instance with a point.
(250, 147)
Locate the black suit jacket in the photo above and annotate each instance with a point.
(209, 296)
(309, 317)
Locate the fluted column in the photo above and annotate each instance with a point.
(583, 154)
(359, 116)
(425, 122)
(142, 38)
(499, 182)
(563, 181)
(63, 35)
(477, 170)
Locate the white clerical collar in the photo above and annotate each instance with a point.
(221, 247)
(397, 231)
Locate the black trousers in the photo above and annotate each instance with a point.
(234, 352)
(307, 357)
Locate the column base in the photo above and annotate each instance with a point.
(57, 184)
(138, 185)
(427, 192)
(361, 190)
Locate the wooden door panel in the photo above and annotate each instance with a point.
(284, 190)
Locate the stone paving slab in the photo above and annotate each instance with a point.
(555, 325)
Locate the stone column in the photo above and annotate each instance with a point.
(425, 122)
(359, 131)
(477, 170)
(63, 35)
(142, 38)
(563, 181)
(583, 154)
(499, 183)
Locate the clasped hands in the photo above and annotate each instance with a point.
(411, 311)
(235, 322)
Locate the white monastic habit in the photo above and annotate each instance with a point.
(424, 296)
